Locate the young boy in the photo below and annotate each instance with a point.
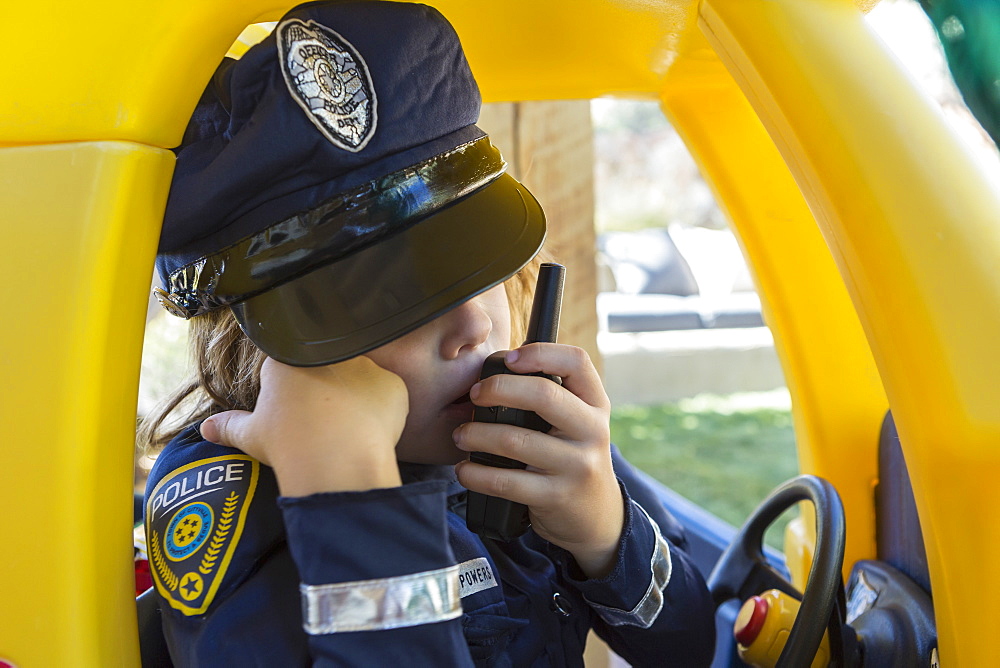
(350, 250)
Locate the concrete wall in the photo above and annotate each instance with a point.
(657, 367)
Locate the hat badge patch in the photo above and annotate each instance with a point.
(329, 79)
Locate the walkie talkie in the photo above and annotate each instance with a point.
(491, 516)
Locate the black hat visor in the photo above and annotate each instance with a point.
(397, 284)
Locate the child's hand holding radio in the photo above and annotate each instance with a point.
(322, 429)
(569, 485)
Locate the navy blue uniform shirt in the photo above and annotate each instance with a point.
(393, 576)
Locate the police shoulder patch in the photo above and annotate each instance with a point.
(194, 519)
(329, 79)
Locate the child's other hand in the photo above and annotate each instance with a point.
(322, 429)
(569, 486)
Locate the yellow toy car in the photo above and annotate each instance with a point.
(872, 234)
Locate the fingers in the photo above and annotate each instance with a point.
(545, 455)
(570, 363)
(516, 485)
(228, 428)
(565, 411)
(578, 409)
(539, 490)
(537, 450)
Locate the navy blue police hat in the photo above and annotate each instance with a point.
(333, 189)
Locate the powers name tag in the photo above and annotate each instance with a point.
(475, 575)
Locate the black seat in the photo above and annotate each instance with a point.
(152, 645)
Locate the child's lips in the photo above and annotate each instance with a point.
(461, 409)
(468, 378)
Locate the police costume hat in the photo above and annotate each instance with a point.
(333, 189)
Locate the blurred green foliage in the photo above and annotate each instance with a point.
(970, 35)
(723, 456)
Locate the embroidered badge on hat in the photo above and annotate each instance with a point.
(194, 519)
(330, 81)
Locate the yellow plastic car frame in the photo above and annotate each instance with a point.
(872, 234)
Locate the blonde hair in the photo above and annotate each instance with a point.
(226, 374)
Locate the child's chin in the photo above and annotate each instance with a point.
(453, 457)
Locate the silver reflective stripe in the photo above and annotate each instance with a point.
(645, 612)
(387, 603)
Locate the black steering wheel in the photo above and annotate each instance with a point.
(742, 571)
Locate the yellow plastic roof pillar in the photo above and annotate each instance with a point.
(92, 95)
(75, 275)
(837, 397)
(913, 227)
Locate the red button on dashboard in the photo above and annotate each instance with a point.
(750, 620)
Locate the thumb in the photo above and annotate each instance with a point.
(228, 428)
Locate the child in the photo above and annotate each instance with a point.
(351, 250)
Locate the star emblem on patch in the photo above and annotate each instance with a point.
(329, 79)
(191, 586)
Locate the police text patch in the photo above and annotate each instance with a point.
(475, 575)
(194, 518)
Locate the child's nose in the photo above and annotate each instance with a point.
(467, 327)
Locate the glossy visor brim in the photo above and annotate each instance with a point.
(393, 286)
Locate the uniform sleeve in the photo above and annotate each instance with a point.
(246, 578)
(379, 584)
(653, 608)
